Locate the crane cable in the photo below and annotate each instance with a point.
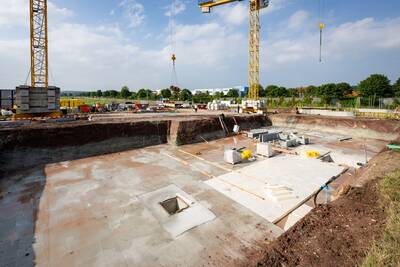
(321, 26)
(172, 26)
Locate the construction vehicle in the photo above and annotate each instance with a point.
(252, 102)
(38, 99)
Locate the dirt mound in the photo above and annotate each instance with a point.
(337, 235)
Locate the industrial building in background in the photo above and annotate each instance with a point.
(38, 99)
(242, 90)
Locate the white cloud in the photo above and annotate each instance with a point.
(16, 13)
(103, 56)
(233, 14)
(367, 33)
(175, 8)
(346, 40)
(133, 11)
(275, 5)
(298, 19)
(351, 51)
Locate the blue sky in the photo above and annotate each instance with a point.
(105, 44)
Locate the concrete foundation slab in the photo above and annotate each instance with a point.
(273, 186)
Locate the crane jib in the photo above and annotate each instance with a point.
(207, 4)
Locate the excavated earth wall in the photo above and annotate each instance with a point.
(194, 131)
(31, 146)
(26, 147)
(356, 127)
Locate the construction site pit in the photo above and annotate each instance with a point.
(156, 191)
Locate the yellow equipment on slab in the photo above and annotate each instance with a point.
(313, 154)
(246, 154)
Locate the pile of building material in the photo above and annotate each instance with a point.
(255, 133)
(219, 104)
(277, 138)
(254, 104)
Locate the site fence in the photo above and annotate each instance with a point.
(347, 103)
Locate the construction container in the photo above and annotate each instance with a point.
(71, 103)
(265, 149)
(7, 99)
(84, 108)
(232, 156)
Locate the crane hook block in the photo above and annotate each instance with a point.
(173, 57)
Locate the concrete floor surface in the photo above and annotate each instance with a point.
(93, 211)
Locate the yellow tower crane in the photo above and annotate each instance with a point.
(254, 39)
(39, 99)
(39, 43)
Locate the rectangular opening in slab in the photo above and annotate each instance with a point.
(174, 205)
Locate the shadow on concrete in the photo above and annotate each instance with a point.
(20, 196)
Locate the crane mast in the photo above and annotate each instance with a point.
(39, 43)
(254, 39)
(254, 50)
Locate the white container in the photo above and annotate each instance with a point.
(232, 156)
(265, 149)
(236, 129)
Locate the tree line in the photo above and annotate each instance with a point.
(376, 85)
(173, 93)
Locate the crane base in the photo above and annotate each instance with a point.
(33, 116)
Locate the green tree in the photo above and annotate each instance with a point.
(106, 93)
(275, 91)
(202, 97)
(166, 93)
(396, 87)
(219, 95)
(185, 95)
(142, 94)
(311, 91)
(150, 95)
(99, 93)
(329, 91)
(270, 88)
(233, 93)
(293, 92)
(133, 95)
(376, 85)
(344, 88)
(113, 93)
(125, 93)
(261, 91)
(175, 92)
